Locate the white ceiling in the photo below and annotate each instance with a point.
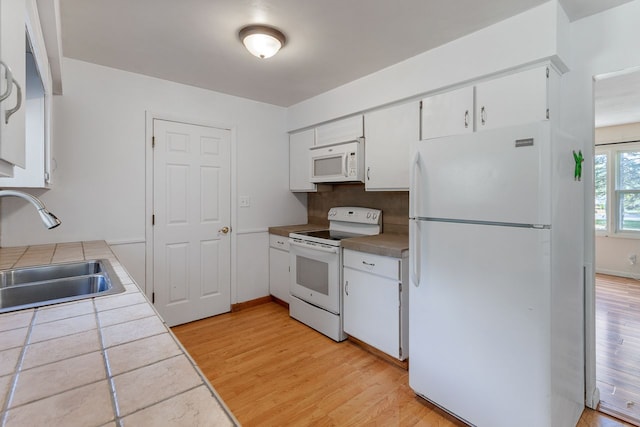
(617, 99)
(330, 42)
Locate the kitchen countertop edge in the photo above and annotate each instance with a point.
(47, 254)
(284, 230)
(385, 244)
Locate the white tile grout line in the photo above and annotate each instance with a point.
(107, 366)
(16, 373)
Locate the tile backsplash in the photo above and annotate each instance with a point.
(394, 205)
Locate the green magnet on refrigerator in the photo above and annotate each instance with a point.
(578, 158)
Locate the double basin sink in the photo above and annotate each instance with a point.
(30, 287)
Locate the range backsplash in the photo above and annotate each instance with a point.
(394, 205)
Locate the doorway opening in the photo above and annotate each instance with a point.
(617, 224)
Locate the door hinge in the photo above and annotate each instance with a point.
(153, 142)
(400, 352)
(547, 72)
(153, 297)
(153, 219)
(547, 113)
(421, 105)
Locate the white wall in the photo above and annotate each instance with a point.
(600, 44)
(99, 179)
(612, 252)
(534, 35)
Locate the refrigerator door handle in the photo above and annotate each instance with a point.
(414, 251)
(413, 190)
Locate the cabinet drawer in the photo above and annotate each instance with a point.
(279, 242)
(375, 264)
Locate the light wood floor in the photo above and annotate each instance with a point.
(618, 346)
(272, 370)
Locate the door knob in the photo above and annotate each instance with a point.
(224, 230)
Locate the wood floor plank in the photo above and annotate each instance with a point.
(618, 346)
(272, 370)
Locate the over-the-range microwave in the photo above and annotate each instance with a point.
(342, 162)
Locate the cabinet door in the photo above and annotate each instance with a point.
(389, 135)
(279, 274)
(344, 130)
(37, 119)
(12, 53)
(299, 163)
(449, 113)
(512, 100)
(372, 310)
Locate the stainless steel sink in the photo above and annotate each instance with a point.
(52, 284)
(18, 276)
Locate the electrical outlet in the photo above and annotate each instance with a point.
(245, 202)
(633, 258)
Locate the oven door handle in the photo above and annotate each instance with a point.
(331, 250)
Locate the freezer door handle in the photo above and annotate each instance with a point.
(414, 251)
(413, 190)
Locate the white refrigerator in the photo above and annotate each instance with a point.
(495, 313)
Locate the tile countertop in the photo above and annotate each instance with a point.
(385, 244)
(107, 361)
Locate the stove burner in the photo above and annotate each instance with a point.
(328, 234)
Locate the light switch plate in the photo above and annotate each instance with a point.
(245, 202)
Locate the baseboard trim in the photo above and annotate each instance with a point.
(404, 364)
(280, 302)
(258, 301)
(617, 273)
(251, 303)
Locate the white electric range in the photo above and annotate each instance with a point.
(316, 268)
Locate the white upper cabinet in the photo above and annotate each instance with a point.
(512, 100)
(518, 98)
(344, 130)
(388, 138)
(36, 108)
(12, 85)
(299, 164)
(449, 113)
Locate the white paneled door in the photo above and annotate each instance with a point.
(191, 232)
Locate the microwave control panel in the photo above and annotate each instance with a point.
(352, 164)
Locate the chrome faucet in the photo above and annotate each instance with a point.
(50, 220)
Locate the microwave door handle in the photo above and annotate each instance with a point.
(346, 160)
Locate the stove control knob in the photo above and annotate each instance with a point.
(375, 216)
(368, 214)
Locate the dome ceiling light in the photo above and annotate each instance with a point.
(261, 40)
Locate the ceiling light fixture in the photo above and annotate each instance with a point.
(261, 40)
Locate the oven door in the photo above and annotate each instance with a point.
(315, 274)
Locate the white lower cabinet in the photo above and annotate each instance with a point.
(279, 267)
(376, 303)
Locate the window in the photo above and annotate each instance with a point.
(617, 189)
(628, 190)
(600, 162)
